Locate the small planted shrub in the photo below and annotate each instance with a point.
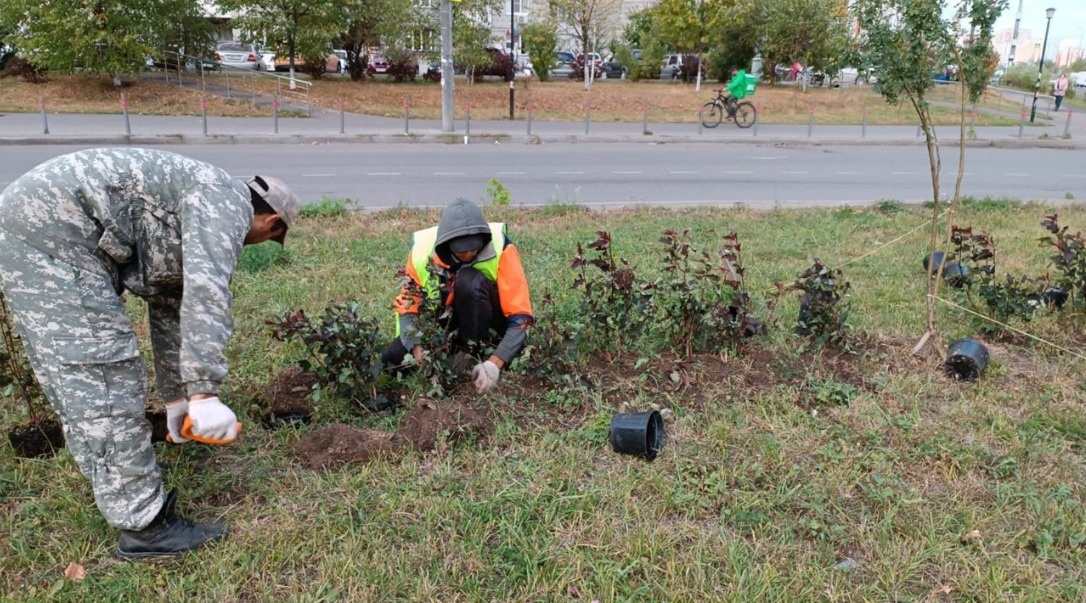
(1068, 258)
(441, 366)
(325, 208)
(551, 351)
(617, 304)
(702, 297)
(41, 435)
(402, 65)
(343, 351)
(498, 193)
(999, 298)
(822, 311)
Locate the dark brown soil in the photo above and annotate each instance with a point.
(426, 427)
(157, 418)
(431, 423)
(288, 399)
(36, 440)
(338, 444)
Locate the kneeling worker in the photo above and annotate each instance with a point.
(480, 277)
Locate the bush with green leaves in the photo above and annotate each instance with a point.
(17, 380)
(343, 350)
(701, 298)
(822, 311)
(1068, 258)
(1000, 298)
(616, 304)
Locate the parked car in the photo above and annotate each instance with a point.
(377, 65)
(267, 60)
(342, 56)
(613, 70)
(565, 56)
(561, 69)
(239, 55)
(331, 64)
(596, 59)
(671, 66)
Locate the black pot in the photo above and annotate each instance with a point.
(639, 434)
(966, 359)
(1054, 296)
(287, 418)
(955, 274)
(938, 256)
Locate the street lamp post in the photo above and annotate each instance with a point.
(1041, 65)
(513, 59)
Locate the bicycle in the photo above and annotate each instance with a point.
(712, 112)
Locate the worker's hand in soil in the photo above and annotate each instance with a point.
(485, 375)
(176, 411)
(210, 422)
(417, 353)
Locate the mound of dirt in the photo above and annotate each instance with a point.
(429, 422)
(423, 428)
(288, 398)
(338, 444)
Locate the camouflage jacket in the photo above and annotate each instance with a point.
(128, 213)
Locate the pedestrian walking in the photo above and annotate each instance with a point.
(76, 233)
(1059, 89)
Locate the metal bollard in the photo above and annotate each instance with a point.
(863, 123)
(1021, 123)
(701, 120)
(275, 112)
(341, 125)
(587, 117)
(406, 124)
(973, 120)
(810, 123)
(530, 108)
(757, 118)
(203, 112)
(1067, 125)
(919, 128)
(44, 118)
(467, 131)
(645, 120)
(124, 111)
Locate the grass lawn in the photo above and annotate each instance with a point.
(551, 101)
(788, 474)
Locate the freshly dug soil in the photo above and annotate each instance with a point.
(430, 422)
(338, 444)
(36, 440)
(157, 418)
(288, 399)
(423, 428)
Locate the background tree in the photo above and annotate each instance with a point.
(540, 41)
(812, 32)
(293, 28)
(903, 42)
(589, 22)
(103, 36)
(376, 24)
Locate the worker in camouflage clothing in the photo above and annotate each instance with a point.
(78, 231)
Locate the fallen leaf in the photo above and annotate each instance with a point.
(75, 572)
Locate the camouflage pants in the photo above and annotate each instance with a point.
(83, 350)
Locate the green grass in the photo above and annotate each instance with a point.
(765, 489)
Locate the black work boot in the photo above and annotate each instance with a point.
(168, 535)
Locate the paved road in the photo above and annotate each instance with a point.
(616, 174)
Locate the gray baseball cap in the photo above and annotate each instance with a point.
(279, 197)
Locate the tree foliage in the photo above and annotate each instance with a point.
(104, 36)
(812, 32)
(540, 40)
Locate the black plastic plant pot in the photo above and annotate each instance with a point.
(955, 274)
(638, 434)
(966, 359)
(1054, 296)
(935, 255)
(288, 418)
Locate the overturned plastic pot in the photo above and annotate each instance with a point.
(955, 274)
(638, 434)
(966, 359)
(1054, 296)
(936, 257)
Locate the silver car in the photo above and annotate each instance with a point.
(239, 55)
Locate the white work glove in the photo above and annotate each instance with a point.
(485, 375)
(175, 416)
(212, 421)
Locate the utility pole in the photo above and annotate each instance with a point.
(446, 66)
(513, 59)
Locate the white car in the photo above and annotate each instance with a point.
(267, 59)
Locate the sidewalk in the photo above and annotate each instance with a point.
(332, 127)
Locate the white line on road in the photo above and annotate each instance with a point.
(1061, 176)
(383, 174)
(448, 173)
(318, 175)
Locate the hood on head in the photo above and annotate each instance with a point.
(460, 218)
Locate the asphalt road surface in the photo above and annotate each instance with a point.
(375, 176)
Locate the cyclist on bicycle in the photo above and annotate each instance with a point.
(737, 89)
